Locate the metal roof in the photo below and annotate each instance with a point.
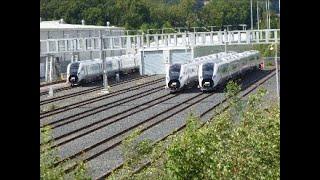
(56, 25)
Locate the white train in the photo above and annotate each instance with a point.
(179, 76)
(90, 70)
(215, 71)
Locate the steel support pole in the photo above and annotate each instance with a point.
(266, 14)
(47, 67)
(279, 7)
(258, 15)
(277, 74)
(251, 15)
(225, 41)
(269, 23)
(102, 57)
(50, 70)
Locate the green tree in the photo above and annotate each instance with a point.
(93, 16)
(224, 150)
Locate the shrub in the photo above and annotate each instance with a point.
(49, 156)
(223, 150)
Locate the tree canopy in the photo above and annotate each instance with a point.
(142, 14)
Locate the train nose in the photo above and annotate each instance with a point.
(73, 79)
(207, 83)
(174, 84)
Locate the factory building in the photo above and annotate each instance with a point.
(60, 30)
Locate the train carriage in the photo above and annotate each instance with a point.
(180, 76)
(214, 72)
(91, 70)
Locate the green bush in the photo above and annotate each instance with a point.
(221, 149)
(225, 150)
(49, 156)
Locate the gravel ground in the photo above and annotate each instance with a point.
(86, 96)
(111, 81)
(104, 162)
(101, 134)
(107, 113)
(108, 160)
(105, 101)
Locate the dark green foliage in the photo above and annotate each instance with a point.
(49, 156)
(134, 150)
(136, 14)
(221, 149)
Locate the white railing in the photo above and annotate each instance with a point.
(127, 42)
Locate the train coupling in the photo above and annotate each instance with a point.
(206, 84)
(174, 85)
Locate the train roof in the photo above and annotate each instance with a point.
(237, 56)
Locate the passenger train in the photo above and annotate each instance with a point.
(91, 70)
(180, 76)
(218, 70)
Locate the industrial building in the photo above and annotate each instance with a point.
(153, 51)
(61, 30)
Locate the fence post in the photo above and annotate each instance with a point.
(148, 40)
(47, 67)
(248, 37)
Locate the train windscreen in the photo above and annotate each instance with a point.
(207, 70)
(174, 71)
(74, 68)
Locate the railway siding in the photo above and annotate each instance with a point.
(156, 133)
(94, 131)
(75, 99)
(101, 134)
(104, 101)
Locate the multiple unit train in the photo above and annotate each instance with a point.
(207, 72)
(90, 70)
(179, 76)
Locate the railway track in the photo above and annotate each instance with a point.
(148, 123)
(113, 141)
(55, 90)
(72, 135)
(95, 99)
(52, 83)
(248, 89)
(66, 96)
(101, 108)
(132, 77)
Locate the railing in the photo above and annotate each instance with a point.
(127, 42)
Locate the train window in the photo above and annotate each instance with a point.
(207, 69)
(74, 68)
(223, 68)
(234, 66)
(174, 69)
